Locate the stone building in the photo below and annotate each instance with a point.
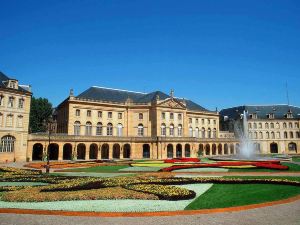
(273, 128)
(105, 123)
(14, 119)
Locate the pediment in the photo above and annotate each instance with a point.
(171, 103)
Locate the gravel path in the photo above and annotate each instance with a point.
(288, 214)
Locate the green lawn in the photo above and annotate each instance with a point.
(266, 177)
(98, 169)
(292, 168)
(296, 159)
(230, 195)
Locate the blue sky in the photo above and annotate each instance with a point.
(217, 53)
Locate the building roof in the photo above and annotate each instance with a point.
(4, 78)
(262, 111)
(117, 95)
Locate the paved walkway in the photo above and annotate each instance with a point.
(286, 214)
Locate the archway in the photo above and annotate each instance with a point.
(67, 152)
(231, 149)
(274, 148)
(105, 151)
(146, 151)
(93, 154)
(178, 151)
(200, 150)
(170, 153)
(237, 147)
(37, 152)
(226, 149)
(53, 151)
(292, 147)
(81, 151)
(214, 149)
(220, 148)
(116, 151)
(187, 151)
(126, 151)
(207, 149)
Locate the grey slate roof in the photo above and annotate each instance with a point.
(115, 95)
(262, 111)
(4, 78)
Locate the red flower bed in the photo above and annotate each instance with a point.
(263, 164)
(180, 160)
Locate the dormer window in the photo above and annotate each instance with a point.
(12, 84)
(271, 116)
(289, 115)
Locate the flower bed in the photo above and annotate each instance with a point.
(264, 164)
(181, 160)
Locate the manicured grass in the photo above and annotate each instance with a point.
(266, 177)
(296, 159)
(230, 195)
(99, 169)
(292, 168)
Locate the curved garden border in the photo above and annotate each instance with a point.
(148, 214)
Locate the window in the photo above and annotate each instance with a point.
(1, 119)
(215, 122)
(296, 125)
(291, 134)
(202, 121)
(214, 133)
(109, 129)
(250, 126)
(260, 135)
(297, 133)
(255, 135)
(163, 130)
(120, 130)
(99, 114)
(140, 130)
(179, 116)
(171, 116)
(179, 130)
(9, 120)
(171, 130)
(141, 116)
(284, 125)
(260, 125)
(285, 135)
(190, 120)
(203, 132)
(77, 112)
(197, 121)
(10, 102)
(290, 125)
(21, 103)
(255, 126)
(278, 135)
(190, 132)
(119, 116)
(1, 99)
(88, 129)
(277, 126)
(163, 115)
(109, 115)
(209, 133)
(99, 129)
(267, 135)
(197, 132)
(77, 128)
(20, 121)
(208, 121)
(270, 116)
(266, 125)
(89, 113)
(7, 144)
(273, 135)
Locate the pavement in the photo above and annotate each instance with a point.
(285, 214)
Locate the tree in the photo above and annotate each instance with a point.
(40, 111)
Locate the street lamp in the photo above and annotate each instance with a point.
(49, 124)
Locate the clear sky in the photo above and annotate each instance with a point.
(217, 53)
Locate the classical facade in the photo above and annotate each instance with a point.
(273, 129)
(14, 119)
(105, 123)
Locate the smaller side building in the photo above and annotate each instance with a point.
(14, 119)
(274, 129)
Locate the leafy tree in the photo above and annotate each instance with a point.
(40, 111)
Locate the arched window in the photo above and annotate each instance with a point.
(298, 134)
(179, 130)
(171, 130)
(203, 132)
(277, 125)
(109, 129)
(291, 134)
(163, 130)
(284, 125)
(120, 130)
(88, 129)
(255, 135)
(197, 132)
(273, 135)
(141, 116)
(7, 144)
(260, 135)
(99, 129)
(77, 128)
(250, 125)
(290, 125)
(292, 147)
(285, 135)
(267, 135)
(272, 125)
(266, 125)
(255, 126)
(77, 112)
(214, 133)
(20, 121)
(296, 125)
(209, 133)
(278, 135)
(190, 132)
(140, 130)
(260, 125)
